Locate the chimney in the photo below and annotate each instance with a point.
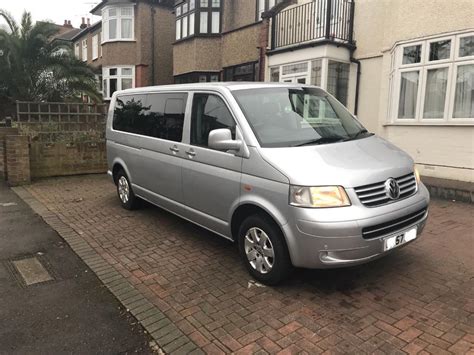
(88, 22)
(83, 24)
(67, 24)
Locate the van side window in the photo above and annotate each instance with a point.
(209, 112)
(166, 115)
(153, 115)
(129, 114)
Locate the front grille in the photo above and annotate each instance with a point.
(394, 225)
(374, 194)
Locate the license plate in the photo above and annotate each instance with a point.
(399, 239)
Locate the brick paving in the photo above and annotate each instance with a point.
(417, 300)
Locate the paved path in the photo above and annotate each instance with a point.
(74, 313)
(419, 299)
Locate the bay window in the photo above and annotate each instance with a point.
(329, 74)
(117, 78)
(118, 23)
(198, 17)
(433, 80)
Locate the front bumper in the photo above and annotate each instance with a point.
(328, 238)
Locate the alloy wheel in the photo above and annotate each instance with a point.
(123, 189)
(259, 250)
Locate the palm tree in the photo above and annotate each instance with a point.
(33, 68)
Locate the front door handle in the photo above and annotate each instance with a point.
(174, 149)
(191, 153)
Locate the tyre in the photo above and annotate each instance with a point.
(263, 249)
(125, 193)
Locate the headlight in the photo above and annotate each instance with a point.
(417, 174)
(319, 196)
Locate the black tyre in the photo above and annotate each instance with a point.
(263, 249)
(125, 193)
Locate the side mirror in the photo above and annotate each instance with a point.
(221, 139)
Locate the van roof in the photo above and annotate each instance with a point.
(231, 85)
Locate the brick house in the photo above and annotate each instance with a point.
(131, 46)
(219, 40)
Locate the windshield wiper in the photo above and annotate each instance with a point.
(321, 140)
(359, 135)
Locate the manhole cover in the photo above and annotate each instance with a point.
(30, 270)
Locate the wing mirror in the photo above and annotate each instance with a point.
(221, 139)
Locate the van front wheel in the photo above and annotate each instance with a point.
(263, 250)
(125, 193)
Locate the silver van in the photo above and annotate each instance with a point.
(284, 170)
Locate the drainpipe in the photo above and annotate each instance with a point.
(356, 61)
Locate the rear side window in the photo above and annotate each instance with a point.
(153, 115)
(209, 112)
(129, 113)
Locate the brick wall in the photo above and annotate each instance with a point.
(18, 160)
(67, 158)
(3, 163)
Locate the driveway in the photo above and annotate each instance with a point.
(420, 298)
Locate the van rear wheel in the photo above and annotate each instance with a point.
(263, 249)
(125, 193)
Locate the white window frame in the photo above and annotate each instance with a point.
(106, 76)
(203, 18)
(84, 50)
(106, 23)
(100, 44)
(452, 63)
(77, 50)
(95, 46)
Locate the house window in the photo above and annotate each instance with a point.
(326, 73)
(338, 80)
(117, 78)
(118, 23)
(84, 50)
(202, 17)
(466, 46)
(197, 77)
(265, 5)
(243, 72)
(316, 68)
(77, 50)
(95, 47)
(434, 80)
(275, 74)
(100, 46)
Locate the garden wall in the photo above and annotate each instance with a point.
(60, 139)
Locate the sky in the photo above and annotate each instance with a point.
(54, 10)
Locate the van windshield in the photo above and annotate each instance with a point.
(290, 117)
